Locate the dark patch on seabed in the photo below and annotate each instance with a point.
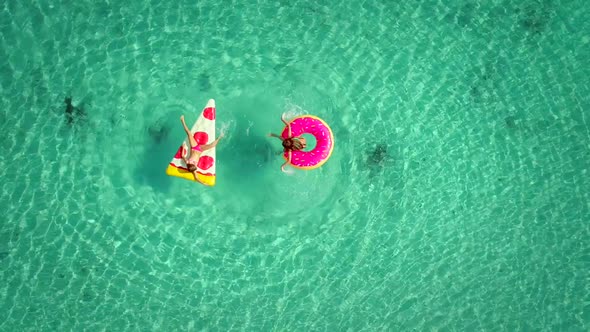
(204, 80)
(158, 131)
(377, 158)
(511, 122)
(534, 18)
(484, 82)
(378, 155)
(464, 15)
(87, 295)
(74, 113)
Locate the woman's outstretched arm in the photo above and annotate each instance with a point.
(206, 147)
(286, 124)
(275, 135)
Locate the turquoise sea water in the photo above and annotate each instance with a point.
(456, 199)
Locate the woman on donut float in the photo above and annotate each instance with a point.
(290, 143)
(294, 143)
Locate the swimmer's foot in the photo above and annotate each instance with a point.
(182, 118)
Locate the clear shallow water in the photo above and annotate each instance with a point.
(456, 197)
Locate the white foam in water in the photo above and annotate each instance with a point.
(292, 111)
(289, 170)
(223, 129)
(227, 128)
(250, 124)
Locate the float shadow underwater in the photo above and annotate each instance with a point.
(246, 154)
(158, 152)
(247, 160)
(245, 157)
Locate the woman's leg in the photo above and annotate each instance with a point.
(191, 139)
(286, 162)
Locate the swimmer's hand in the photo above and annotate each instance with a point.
(283, 119)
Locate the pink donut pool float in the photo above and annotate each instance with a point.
(312, 125)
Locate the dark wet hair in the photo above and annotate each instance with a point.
(292, 144)
(191, 167)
